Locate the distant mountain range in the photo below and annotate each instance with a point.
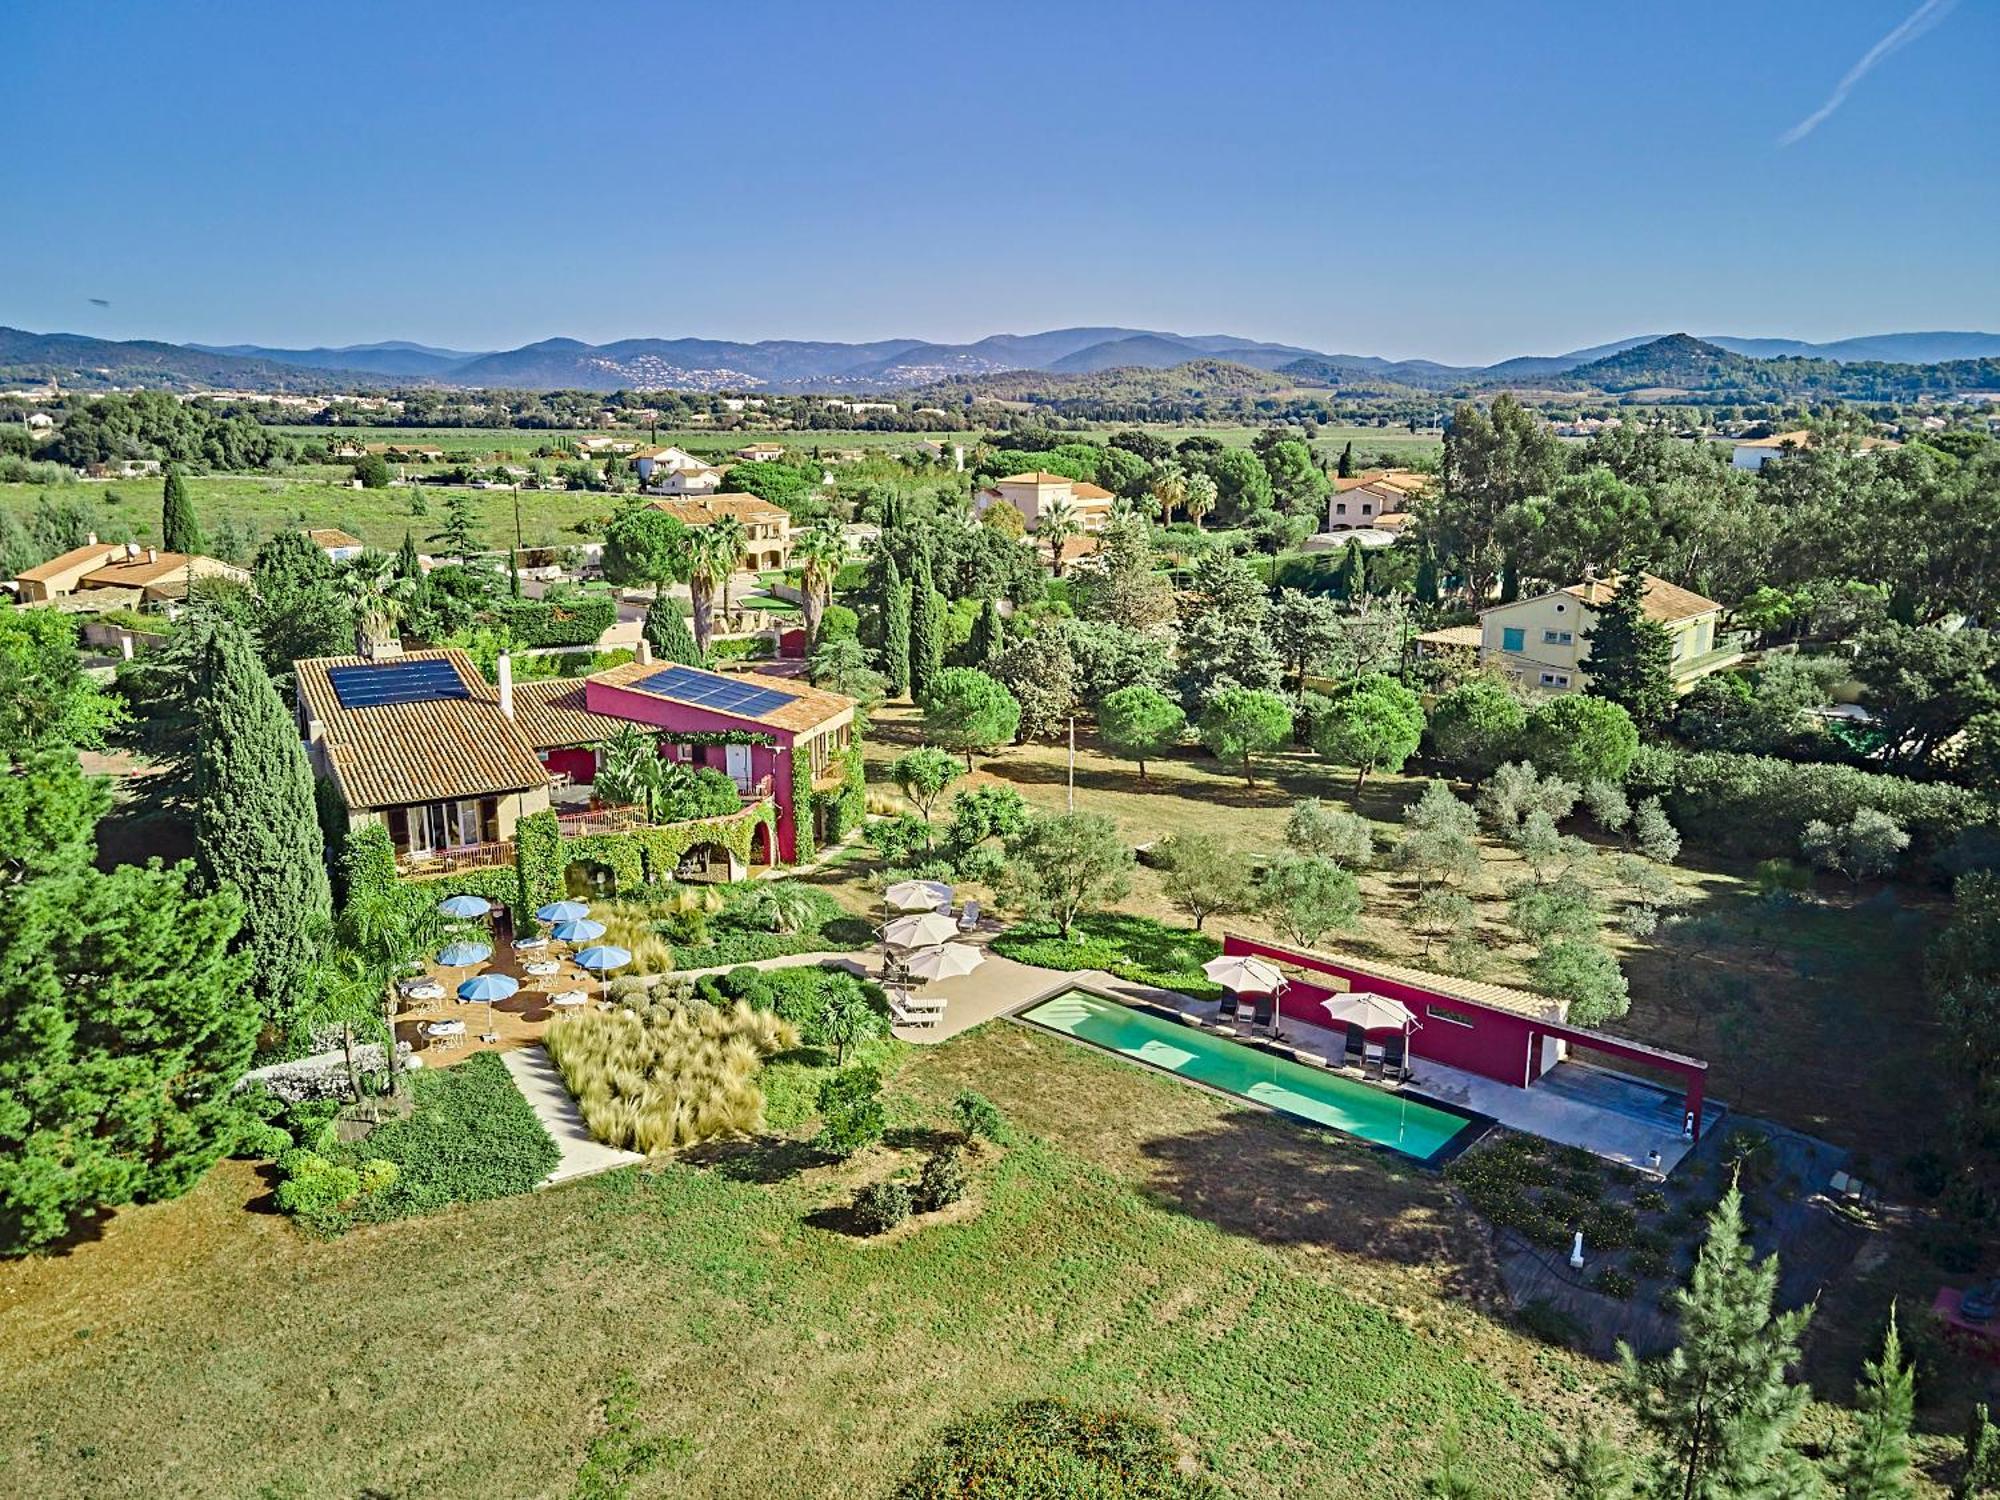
(788, 365)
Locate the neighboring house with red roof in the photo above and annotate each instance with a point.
(1542, 641)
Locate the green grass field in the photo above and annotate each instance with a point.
(1304, 1315)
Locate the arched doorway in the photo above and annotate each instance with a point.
(762, 851)
(709, 864)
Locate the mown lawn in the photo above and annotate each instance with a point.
(1306, 1315)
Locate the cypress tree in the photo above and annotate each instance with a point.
(256, 830)
(1427, 578)
(1631, 655)
(895, 627)
(989, 636)
(1721, 1403)
(1876, 1463)
(179, 530)
(1981, 1474)
(926, 632)
(666, 630)
(1353, 580)
(1346, 469)
(407, 563)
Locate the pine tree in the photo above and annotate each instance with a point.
(926, 632)
(1876, 1463)
(1631, 656)
(255, 826)
(1352, 583)
(989, 637)
(179, 530)
(459, 533)
(1592, 1468)
(1981, 1474)
(1721, 1402)
(895, 627)
(666, 630)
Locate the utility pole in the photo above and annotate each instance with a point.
(517, 515)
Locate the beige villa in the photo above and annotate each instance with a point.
(768, 526)
(155, 577)
(1541, 641)
(1034, 495)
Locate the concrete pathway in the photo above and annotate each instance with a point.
(542, 1086)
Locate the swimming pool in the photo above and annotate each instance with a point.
(1393, 1121)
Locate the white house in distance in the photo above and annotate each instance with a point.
(1754, 453)
(761, 453)
(673, 471)
(339, 546)
(1541, 641)
(1033, 495)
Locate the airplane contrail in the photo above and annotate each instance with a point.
(1914, 25)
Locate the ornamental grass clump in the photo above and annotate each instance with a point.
(665, 1075)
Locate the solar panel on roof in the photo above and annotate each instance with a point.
(706, 690)
(380, 684)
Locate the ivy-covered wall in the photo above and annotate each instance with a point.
(845, 806)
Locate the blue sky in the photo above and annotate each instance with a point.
(1454, 181)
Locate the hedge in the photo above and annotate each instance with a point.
(1759, 805)
(573, 621)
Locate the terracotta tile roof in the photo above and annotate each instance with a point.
(391, 754)
(1665, 602)
(552, 715)
(144, 570)
(1084, 490)
(1467, 636)
(704, 510)
(332, 536)
(1477, 991)
(1037, 477)
(96, 554)
(810, 706)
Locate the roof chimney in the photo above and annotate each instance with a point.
(643, 652)
(504, 670)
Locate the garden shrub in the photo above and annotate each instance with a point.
(850, 1102)
(943, 1181)
(1138, 949)
(1053, 1449)
(315, 1190)
(1616, 1283)
(808, 995)
(881, 1206)
(1650, 1264)
(979, 1118)
(573, 620)
(1650, 1200)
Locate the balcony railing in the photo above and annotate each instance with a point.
(462, 857)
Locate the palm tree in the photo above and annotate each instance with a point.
(707, 569)
(731, 540)
(821, 553)
(379, 938)
(372, 589)
(1200, 498)
(1056, 526)
(1171, 491)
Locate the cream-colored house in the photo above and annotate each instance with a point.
(766, 527)
(1033, 495)
(1541, 641)
(157, 576)
(1364, 499)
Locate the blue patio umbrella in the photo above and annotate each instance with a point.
(465, 908)
(577, 930)
(561, 911)
(464, 955)
(489, 987)
(602, 960)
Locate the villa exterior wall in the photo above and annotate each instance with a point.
(1495, 1044)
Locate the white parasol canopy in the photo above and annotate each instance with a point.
(1371, 1012)
(918, 895)
(926, 931)
(947, 961)
(1244, 976)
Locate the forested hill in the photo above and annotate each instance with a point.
(82, 363)
(1680, 363)
(1122, 392)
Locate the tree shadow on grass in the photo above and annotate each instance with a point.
(1270, 1179)
(765, 1160)
(919, 1138)
(837, 1218)
(1231, 792)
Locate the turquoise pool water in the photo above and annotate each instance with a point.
(1374, 1115)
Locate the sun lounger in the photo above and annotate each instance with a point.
(1395, 1056)
(1371, 1060)
(968, 917)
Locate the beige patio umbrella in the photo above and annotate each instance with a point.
(1242, 975)
(946, 961)
(1369, 1011)
(926, 931)
(917, 895)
